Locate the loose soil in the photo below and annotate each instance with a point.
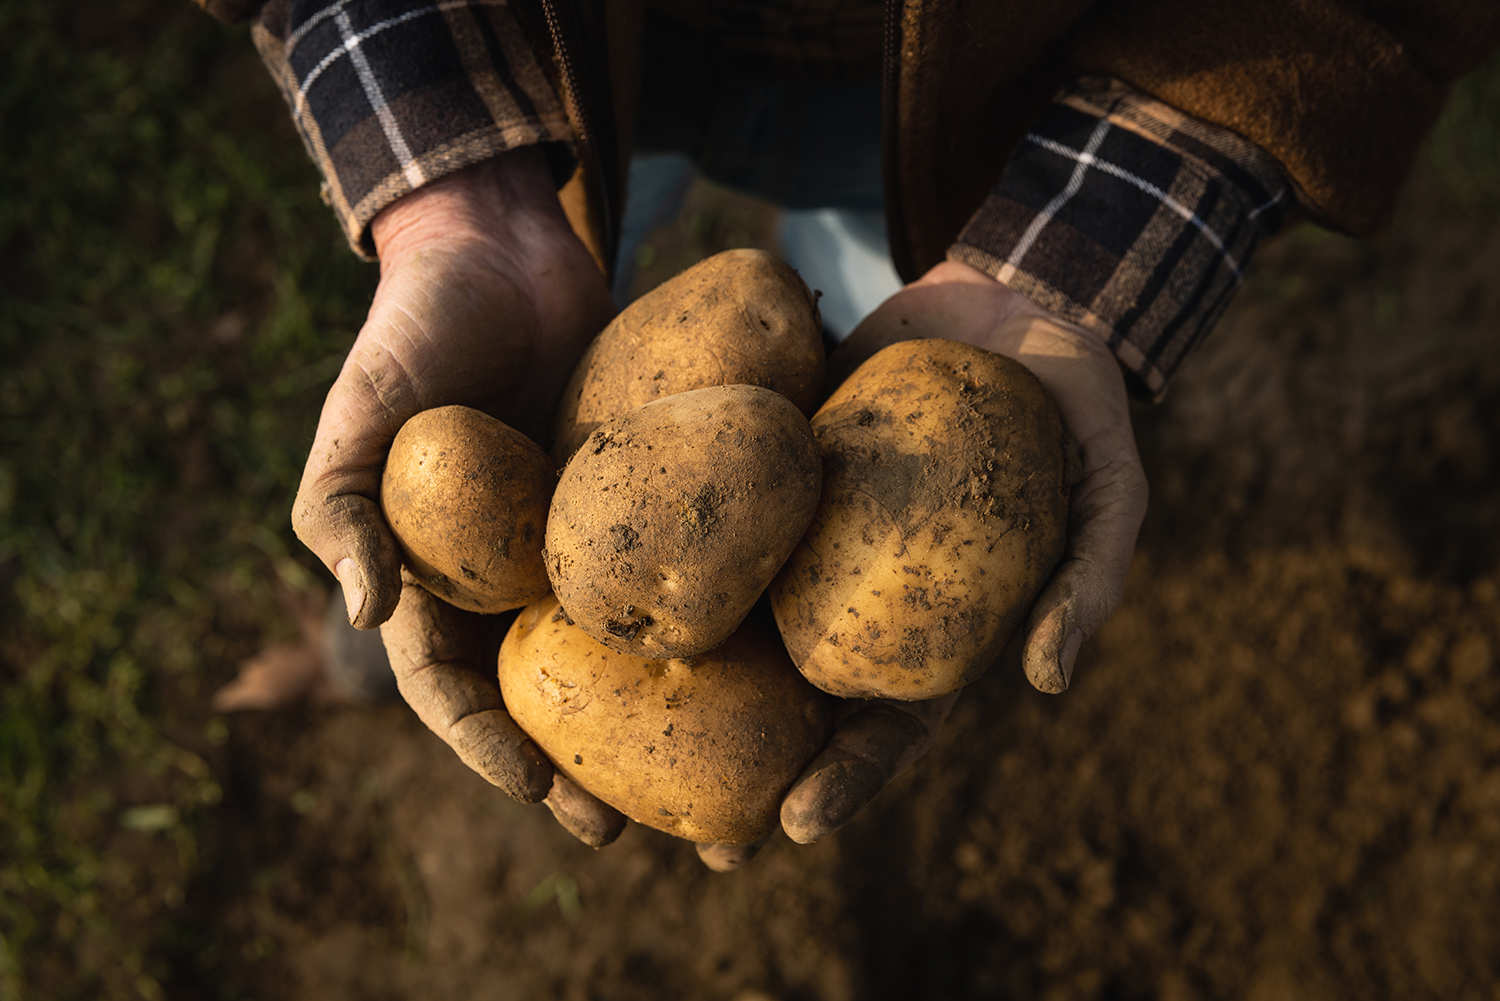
(1276, 775)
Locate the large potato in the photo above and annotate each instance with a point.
(671, 520)
(944, 512)
(704, 748)
(466, 497)
(742, 316)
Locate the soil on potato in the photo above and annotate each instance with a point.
(1276, 775)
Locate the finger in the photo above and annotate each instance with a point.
(873, 745)
(1108, 506)
(436, 652)
(337, 511)
(727, 858)
(583, 815)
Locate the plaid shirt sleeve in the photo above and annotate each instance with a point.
(1128, 218)
(391, 94)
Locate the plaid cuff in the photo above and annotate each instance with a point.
(1129, 218)
(392, 94)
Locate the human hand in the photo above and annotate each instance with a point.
(486, 299)
(875, 741)
(960, 303)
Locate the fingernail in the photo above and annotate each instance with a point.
(354, 595)
(829, 799)
(1069, 655)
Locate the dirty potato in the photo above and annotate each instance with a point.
(670, 521)
(944, 512)
(742, 316)
(703, 748)
(466, 497)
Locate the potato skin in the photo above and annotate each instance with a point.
(671, 520)
(741, 316)
(704, 748)
(944, 513)
(466, 497)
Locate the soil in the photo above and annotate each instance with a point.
(1276, 774)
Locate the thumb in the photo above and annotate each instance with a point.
(337, 511)
(1108, 506)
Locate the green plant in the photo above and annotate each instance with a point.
(175, 302)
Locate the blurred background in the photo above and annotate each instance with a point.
(1277, 774)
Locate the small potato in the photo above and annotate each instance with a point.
(704, 748)
(742, 316)
(467, 498)
(671, 520)
(944, 512)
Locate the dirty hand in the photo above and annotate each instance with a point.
(958, 302)
(876, 741)
(486, 299)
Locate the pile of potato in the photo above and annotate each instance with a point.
(901, 535)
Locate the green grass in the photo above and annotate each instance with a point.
(176, 301)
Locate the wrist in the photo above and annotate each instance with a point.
(1007, 307)
(496, 207)
(1074, 363)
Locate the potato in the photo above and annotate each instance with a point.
(703, 748)
(671, 520)
(742, 316)
(466, 497)
(944, 512)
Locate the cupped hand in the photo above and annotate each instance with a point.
(487, 299)
(960, 303)
(875, 741)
